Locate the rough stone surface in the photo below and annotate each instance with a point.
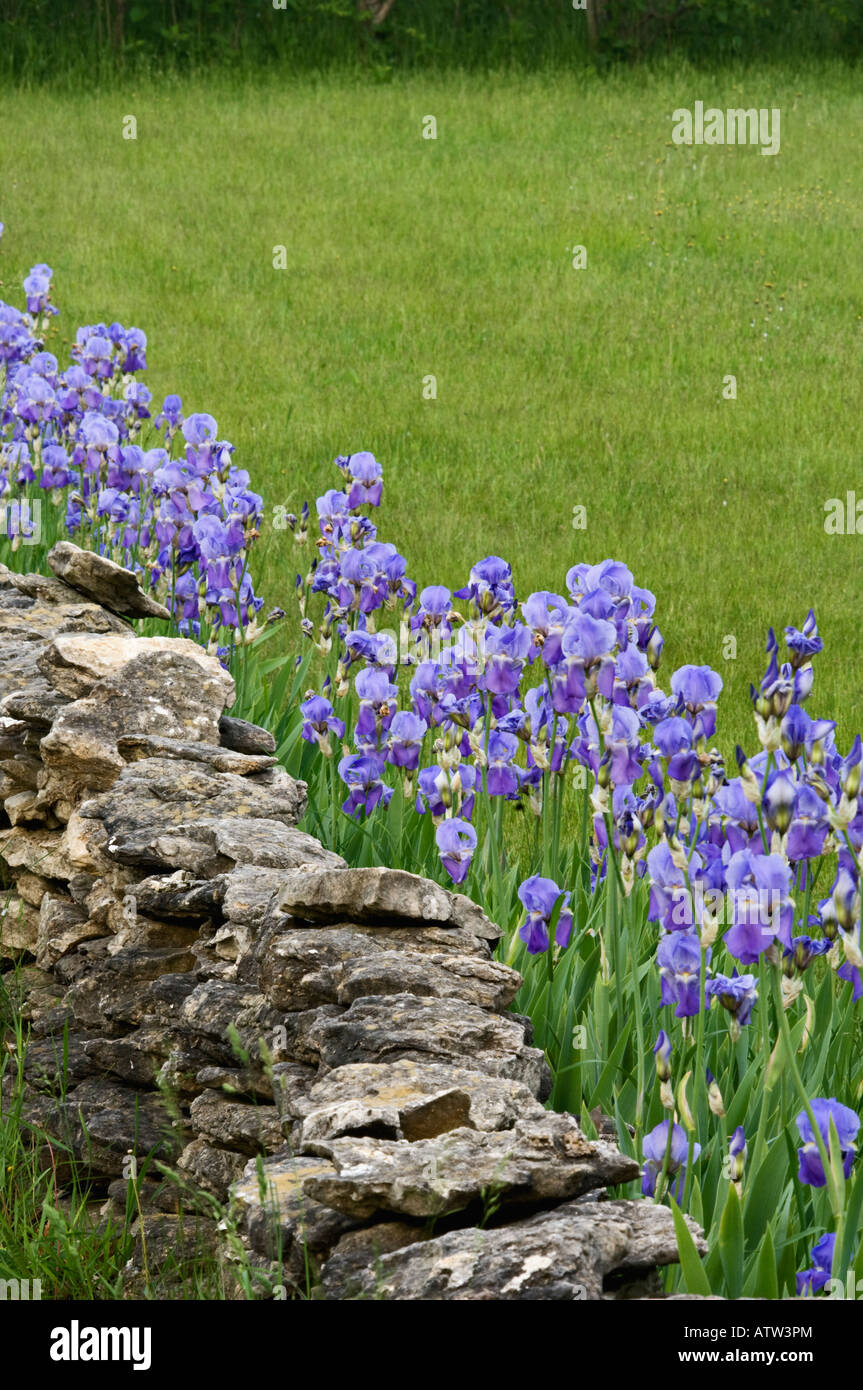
(538, 1160)
(104, 581)
(381, 895)
(329, 1051)
(557, 1256)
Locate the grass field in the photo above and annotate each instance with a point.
(556, 387)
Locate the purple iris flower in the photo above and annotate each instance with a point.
(332, 508)
(362, 774)
(805, 949)
(547, 615)
(808, 830)
(679, 959)
(762, 908)
(740, 815)
(802, 645)
(199, 429)
(622, 742)
(610, 575)
(434, 608)
(736, 1153)
(850, 769)
(736, 993)
(809, 1281)
(489, 588)
(38, 290)
(171, 414)
(655, 1145)
(539, 897)
(375, 648)
(366, 480)
(319, 721)
(780, 794)
(456, 842)
(847, 1124)
(670, 902)
(377, 702)
(506, 649)
(502, 778)
(98, 356)
(406, 734)
(438, 789)
(697, 687)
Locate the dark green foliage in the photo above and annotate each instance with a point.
(73, 40)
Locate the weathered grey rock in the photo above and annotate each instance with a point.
(180, 894)
(62, 925)
(55, 1064)
(135, 1058)
(562, 1255)
(104, 581)
(33, 887)
(73, 663)
(540, 1159)
(282, 1223)
(162, 814)
(336, 965)
(38, 851)
(380, 895)
(210, 1168)
(244, 737)
(35, 703)
(135, 748)
(19, 926)
(245, 1128)
(23, 770)
(107, 1121)
(237, 1081)
(170, 1254)
(407, 1100)
(388, 1028)
(165, 694)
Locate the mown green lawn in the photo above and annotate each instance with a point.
(556, 387)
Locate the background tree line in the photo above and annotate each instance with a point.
(57, 39)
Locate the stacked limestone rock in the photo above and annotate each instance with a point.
(214, 986)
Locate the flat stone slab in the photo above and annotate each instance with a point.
(74, 662)
(407, 1100)
(167, 814)
(339, 964)
(103, 581)
(243, 737)
(280, 1221)
(381, 895)
(559, 1256)
(166, 694)
(541, 1159)
(390, 1027)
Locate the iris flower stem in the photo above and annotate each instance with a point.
(585, 802)
(639, 1027)
(761, 1141)
(662, 1181)
(837, 1198)
(699, 1083)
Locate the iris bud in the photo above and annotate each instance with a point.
(662, 1053)
(737, 1154)
(714, 1096)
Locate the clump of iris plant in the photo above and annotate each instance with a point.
(160, 496)
(846, 1123)
(666, 1149)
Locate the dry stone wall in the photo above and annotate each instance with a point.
(212, 994)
